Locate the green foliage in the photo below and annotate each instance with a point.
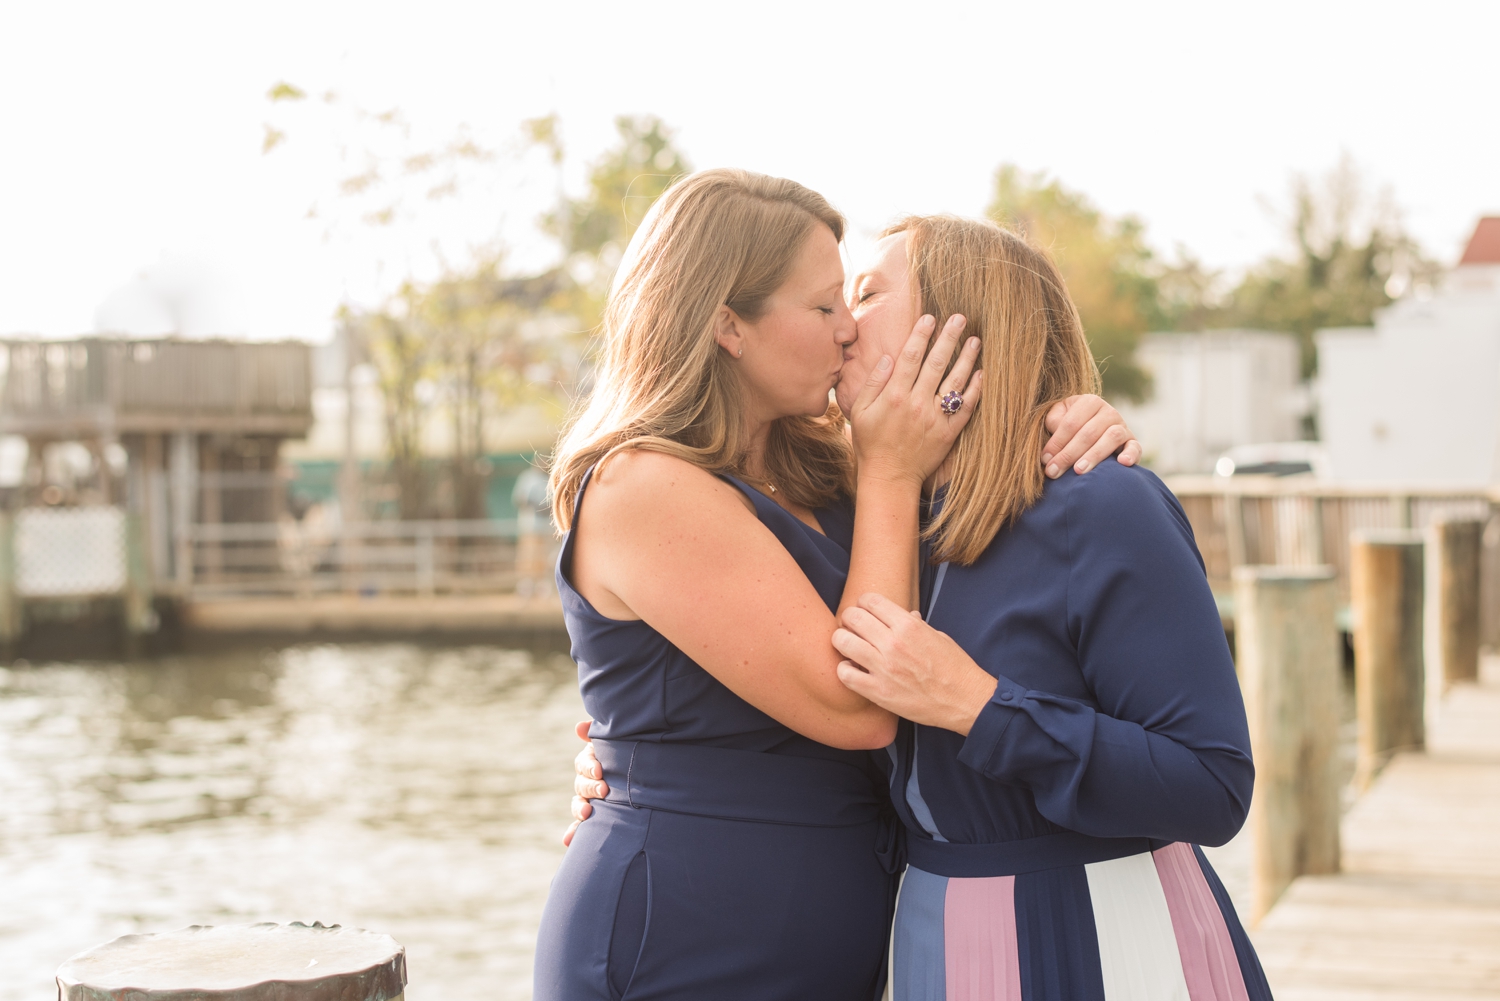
(1350, 256)
(283, 91)
(477, 342)
(623, 184)
(468, 346)
(545, 132)
(1110, 271)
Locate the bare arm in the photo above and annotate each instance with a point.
(1085, 430)
(662, 540)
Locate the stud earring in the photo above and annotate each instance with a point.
(741, 353)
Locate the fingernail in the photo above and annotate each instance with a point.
(1082, 467)
(973, 342)
(929, 321)
(885, 362)
(1052, 471)
(1046, 457)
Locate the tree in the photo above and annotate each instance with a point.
(403, 357)
(1350, 256)
(492, 359)
(623, 185)
(1110, 271)
(477, 341)
(465, 348)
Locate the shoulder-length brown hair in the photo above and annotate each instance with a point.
(715, 238)
(1033, 353)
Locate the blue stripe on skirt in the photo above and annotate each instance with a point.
(921, 974)
(1056, 940)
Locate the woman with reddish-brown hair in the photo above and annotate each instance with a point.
(1072, 728)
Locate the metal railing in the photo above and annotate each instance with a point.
(377, 557)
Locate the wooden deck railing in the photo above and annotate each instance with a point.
(1299, 522)
(379, 557)
(1238, 521)
(94, 385)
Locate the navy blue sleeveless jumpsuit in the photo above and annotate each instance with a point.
(733, 858)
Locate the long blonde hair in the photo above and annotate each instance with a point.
(1033, 354)
(715, 238)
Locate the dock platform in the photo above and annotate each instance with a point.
(448, 615)
(1415, 913)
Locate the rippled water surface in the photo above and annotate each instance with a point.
(418, 791)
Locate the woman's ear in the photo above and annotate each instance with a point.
(727, 332)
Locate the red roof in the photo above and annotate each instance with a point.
(1484, 245)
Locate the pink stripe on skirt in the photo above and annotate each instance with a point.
(1209, 963)
(980, 953)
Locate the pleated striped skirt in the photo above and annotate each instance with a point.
(1156, 926)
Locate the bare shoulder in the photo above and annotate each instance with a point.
(643, 482)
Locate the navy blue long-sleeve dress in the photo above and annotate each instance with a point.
(1053, 851)
(733, 859)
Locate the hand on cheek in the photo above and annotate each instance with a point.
(897, 661)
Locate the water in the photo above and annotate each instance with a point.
(417, 791)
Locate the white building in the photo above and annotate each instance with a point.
(1213, 391)
(1417, 396)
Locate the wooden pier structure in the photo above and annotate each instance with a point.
(1299, 521)
(1414, 915)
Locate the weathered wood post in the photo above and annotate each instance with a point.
(12, 621)
(1288, 655)
(1452, 605)
(138, 615)
(1385, 595)
(531, 498)
(264, 962)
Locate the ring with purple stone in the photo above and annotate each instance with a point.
(951, 403)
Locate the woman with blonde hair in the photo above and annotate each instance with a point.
(1072, 726)
(742, 850)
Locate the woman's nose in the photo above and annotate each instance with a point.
(847, 331)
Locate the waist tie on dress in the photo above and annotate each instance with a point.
(737, 785)
(1011, 858)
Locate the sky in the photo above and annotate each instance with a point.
(135, 195)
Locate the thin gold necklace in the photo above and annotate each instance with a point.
(770, 487)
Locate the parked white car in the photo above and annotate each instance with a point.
(1287, 458)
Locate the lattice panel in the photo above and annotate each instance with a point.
(70, 552)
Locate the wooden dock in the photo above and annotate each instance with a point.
(500, 616)
(1415, 913)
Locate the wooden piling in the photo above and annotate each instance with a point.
(138, 616)
(1385, 595)
(1452, 604)
(12, 622)
(1288, 656)
(264, 962)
